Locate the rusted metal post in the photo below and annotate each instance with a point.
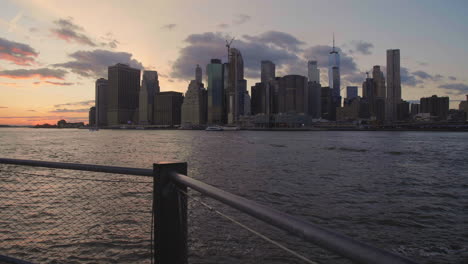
(170, 214)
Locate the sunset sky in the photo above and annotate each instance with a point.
(52, 51)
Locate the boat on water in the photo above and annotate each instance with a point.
(214, 128)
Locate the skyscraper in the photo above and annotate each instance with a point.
(194, 107)
(393, 84)
(313, 72)
(293, 94)
(438, 107)
(215, 73)
(149, 87)
(237, 86)
(101, 101)
(124, 83)
(92, 116)
(334, 71)
(267, 71)
(167, 108)
(379, 82)
(314, 99)
(351, 92)
(198, 74)
(368, 94)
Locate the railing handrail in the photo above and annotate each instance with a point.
(79, 166)
(337, 243)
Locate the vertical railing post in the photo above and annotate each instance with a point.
(170, 215)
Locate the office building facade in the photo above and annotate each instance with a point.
(124, 85)
(101, 101)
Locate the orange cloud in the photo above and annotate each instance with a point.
(17, 53)
(42, 73)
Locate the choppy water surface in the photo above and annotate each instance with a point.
(403, 191)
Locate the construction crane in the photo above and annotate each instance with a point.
(228, 45)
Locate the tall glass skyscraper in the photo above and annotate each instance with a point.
(237, 86)
(267, 71)
(149, 87)
(215, 73)
(313, 72)
(393, 84)
(334, 71)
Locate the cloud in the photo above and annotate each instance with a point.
(31, 110)
(70, 32)
(109, 40)
(81, 103)
(65, 110)
(422, 75)
(223, 25)
(455, 88)
(169, 26)
(3, 107)
(241, 19)
(55, 83)
(278, 39)
(94, 64)
(42, 73)
(205, 46)
(8, 84)
(407, 78)
(363, 47)
(452, 78)
(33, 29)
(426, 76)
(17, 53)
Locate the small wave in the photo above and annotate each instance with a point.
(353, 149)
(278, 145)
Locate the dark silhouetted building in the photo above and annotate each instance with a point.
(314, 99)
(379, 109)
(463, 106)
(236, 86)
(293, 95)
(101, 101)
(267, 71)
(415, 109)
(215, 73)
(379, 82)
(149, 87)
(368, 94)
(326, 103)
(403, 111)
(92, 116)
(393, 84)
(124, 85)
(351, 92)
(168, 108)
(438, 107)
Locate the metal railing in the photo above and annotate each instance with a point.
(170, 210)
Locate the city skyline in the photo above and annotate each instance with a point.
(52, 54)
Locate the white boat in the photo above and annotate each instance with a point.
(214, 128)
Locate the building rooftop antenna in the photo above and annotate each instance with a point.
(333, 49)
(228, 45)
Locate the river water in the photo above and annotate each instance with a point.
(406, 192)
